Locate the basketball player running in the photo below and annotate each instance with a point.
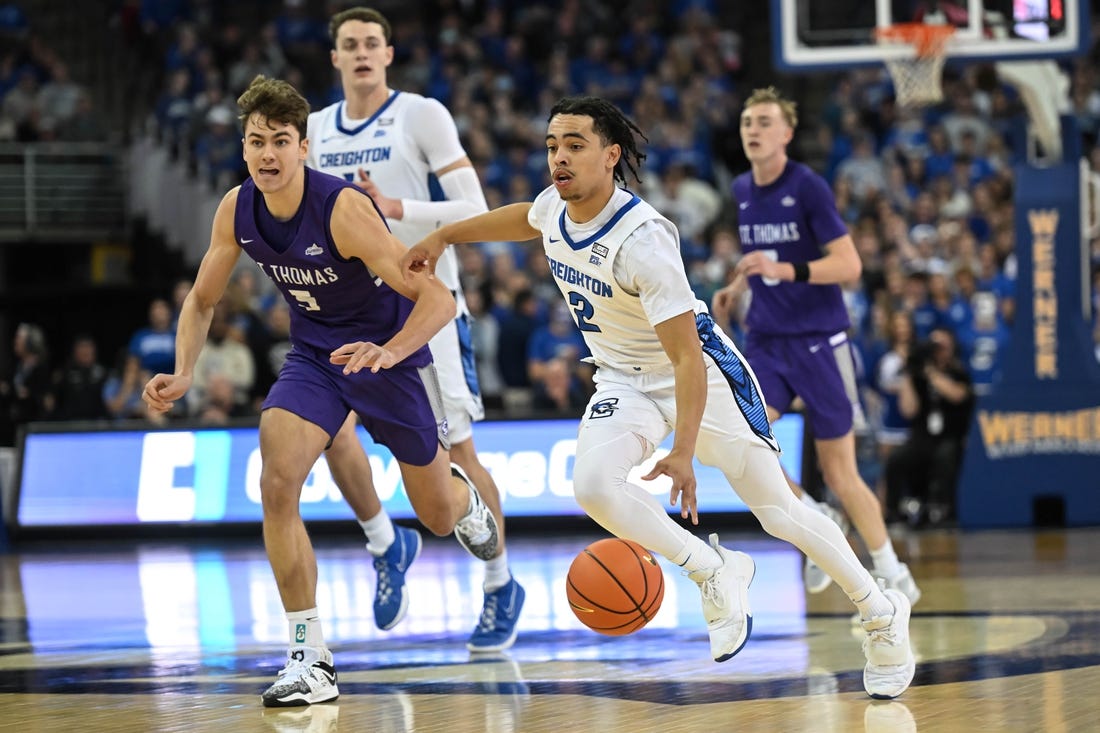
(359, 335)
(797, 322)
(663, 364)
(390, 141)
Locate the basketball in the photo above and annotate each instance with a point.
(615, 586)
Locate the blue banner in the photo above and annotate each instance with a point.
(211, 475)
(1037, 435)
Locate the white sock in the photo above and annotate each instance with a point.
(379, 531)
(497, 573)
(885, 561)
(810, 501)
(696, 555)
(871, 602)
(305, 628)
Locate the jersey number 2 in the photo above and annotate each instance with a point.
(583, 310)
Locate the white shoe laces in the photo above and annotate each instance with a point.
(476, 526)
(488, 619)
(711, 594)
(294, 669)
(882, 635)
(385, 586)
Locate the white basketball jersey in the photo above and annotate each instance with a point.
(385, 147)
(613, 321)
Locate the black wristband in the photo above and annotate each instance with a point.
(801, 272)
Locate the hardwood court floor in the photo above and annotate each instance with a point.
(174, 636)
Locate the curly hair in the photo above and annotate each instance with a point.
(613, 127)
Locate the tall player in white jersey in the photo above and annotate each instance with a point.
(663, 365)
(389, 142)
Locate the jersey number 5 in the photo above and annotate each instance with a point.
(305, 300)
(582, 310)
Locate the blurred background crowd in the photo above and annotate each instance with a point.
(928, 193)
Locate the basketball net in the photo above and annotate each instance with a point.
(918, 80)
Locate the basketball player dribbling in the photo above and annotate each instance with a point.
(664, 366)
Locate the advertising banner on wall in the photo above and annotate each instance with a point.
(211, 475)
(1036, 437)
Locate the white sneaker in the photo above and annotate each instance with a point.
(476, 532)
(307, 678)
(725, 592)
(890, 662)
(815, 578)
(902, 582)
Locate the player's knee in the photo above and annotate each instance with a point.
(776, 521)
(278, 495)
(596, 484)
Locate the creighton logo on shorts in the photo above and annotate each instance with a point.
(604, 408)
(300, 633)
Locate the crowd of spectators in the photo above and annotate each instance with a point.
(928, 193)
(39, 100)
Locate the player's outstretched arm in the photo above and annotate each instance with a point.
(505, 224)
(358, 231)
(221, 257)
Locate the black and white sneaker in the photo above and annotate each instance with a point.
(477, 531)
(307, 678)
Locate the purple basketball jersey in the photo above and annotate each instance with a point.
(792, 219)
(333, 301)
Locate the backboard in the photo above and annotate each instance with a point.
(831, 34)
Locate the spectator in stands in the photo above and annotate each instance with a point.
(983, 342)
(218, 150)
(223, 354)
(485, 337)
(79, 384)
(219, 402)
(559, 390)
(516, 327)
(271, 353)
(250, 65)
(20, 105)
(952, 311)
(58, 97)
(26, 394)
(154, 346)
(122, 390)
(888, 370)
(689, 202)
(558, 339)
(863, 169)
(86, 125)
(173, 111)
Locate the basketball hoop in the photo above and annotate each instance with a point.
(918, 80)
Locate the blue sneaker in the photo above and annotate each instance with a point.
(391, 599)
(496, 630)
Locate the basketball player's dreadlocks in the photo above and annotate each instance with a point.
(613, 127)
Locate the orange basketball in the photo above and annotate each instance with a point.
(615, 586)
